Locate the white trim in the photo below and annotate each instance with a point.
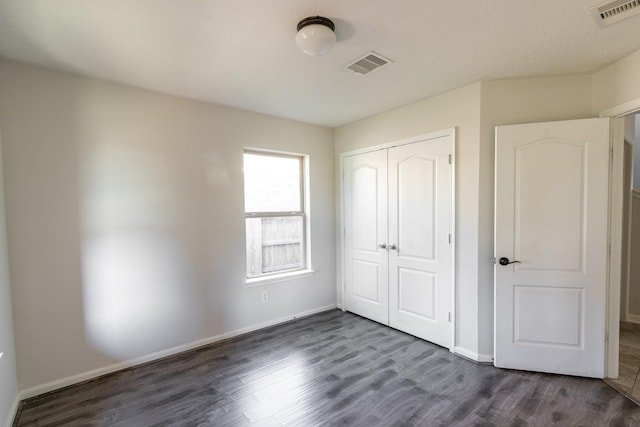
(405, 141)
(614, 262)
(626, 228)
(622, 110)
(85, 376)
(305, 214)
(633, 318)
(495, 233)
(472, 355)
(342, 283)
(450, 132)
(13, 412)
(452, 231)
(613, 310)
(280, 277)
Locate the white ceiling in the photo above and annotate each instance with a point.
(241, 53)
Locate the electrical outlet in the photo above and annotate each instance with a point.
(265, 296)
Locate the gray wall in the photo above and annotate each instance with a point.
(126, 222)
(631, 296)
(634, 265)
(8, 380)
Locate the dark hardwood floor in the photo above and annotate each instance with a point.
(329, 369)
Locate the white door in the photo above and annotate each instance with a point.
(419, 249)
(365, 221)
(551, 196)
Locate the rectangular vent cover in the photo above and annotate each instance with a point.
(615, 11)
(369, 62)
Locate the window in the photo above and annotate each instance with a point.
(275, 219)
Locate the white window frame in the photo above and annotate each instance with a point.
(305, 270)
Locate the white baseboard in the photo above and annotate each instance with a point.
(11, 416)
(633, 318)
(485, 358)
(472, 355)
(85, 376)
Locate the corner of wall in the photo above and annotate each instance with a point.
(616, 84)
(506, 102)
(13, 412)
(9, 396)
(474, 356)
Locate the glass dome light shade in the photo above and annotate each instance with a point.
(315, 39)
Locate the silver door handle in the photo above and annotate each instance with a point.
(392, 247)
(382, 246)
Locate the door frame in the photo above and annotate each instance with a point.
(616, 182)
(628, 194)
(341, 230)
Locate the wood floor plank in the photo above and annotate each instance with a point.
(329, 369)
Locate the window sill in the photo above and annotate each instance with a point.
(257, 281)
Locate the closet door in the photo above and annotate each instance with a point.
(419, 247)
(365, 216)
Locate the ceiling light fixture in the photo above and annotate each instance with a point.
(316, 35)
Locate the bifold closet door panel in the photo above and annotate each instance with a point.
(419, 184)
(365, 216)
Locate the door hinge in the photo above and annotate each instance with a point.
(449, 238)
(450, 159)
(449, 316)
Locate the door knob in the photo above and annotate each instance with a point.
(505, 261)
(392, 247)
(382, 246)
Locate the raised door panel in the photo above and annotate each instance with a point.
(553, 170)
(417, 294)
(561, 323)
(416, 206)
(364, 202)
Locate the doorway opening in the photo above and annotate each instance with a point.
(628, 380)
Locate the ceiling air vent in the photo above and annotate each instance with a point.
(614, 11)
(370, 62)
